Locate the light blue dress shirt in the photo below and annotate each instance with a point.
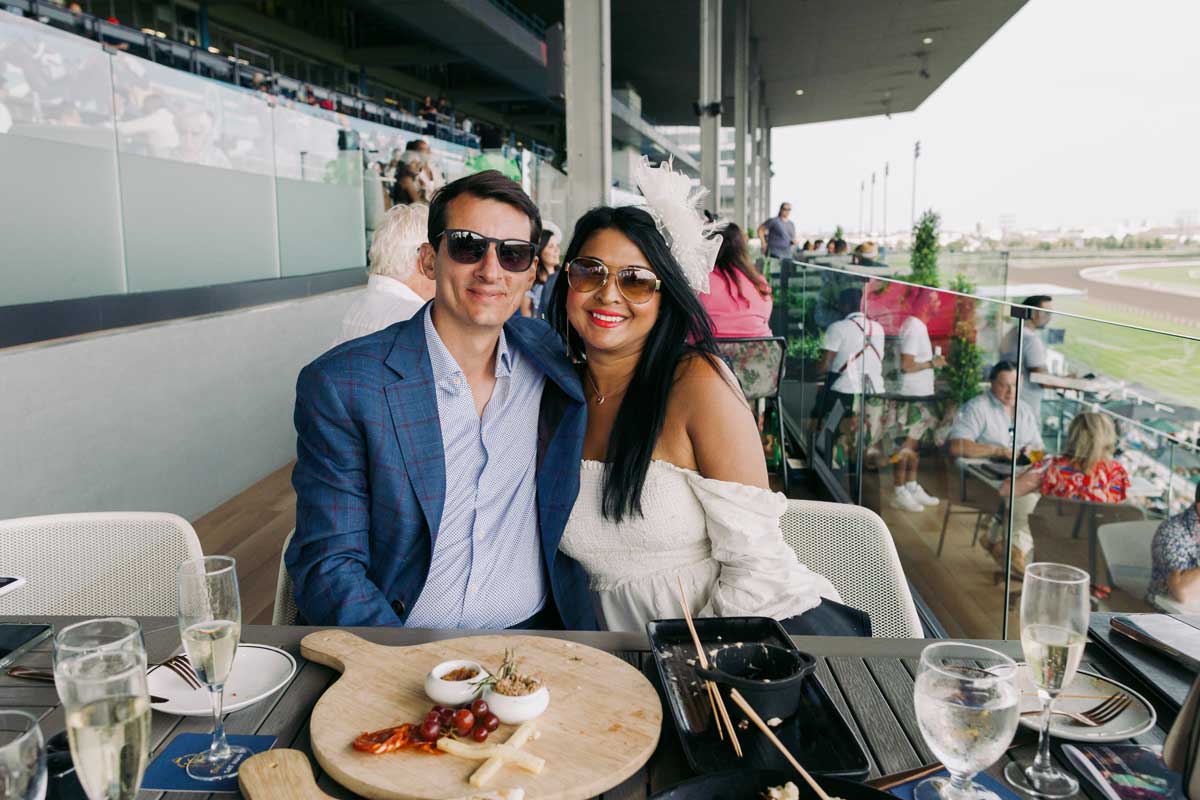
(984, 419)
(486, 569)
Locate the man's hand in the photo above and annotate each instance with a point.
(938, 361)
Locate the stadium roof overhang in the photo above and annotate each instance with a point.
(851, 58)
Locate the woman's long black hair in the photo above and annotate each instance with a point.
(682, 329)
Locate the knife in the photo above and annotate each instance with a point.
(42, 676)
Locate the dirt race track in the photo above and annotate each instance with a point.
(1176, 307)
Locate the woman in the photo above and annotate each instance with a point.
(1085, 471)
(549, 258)
(674, 482)
(739, 298)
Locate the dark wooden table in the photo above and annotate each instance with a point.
(870, 680)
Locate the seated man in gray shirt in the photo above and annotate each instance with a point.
(983, 427)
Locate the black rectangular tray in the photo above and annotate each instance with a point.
(816, 734)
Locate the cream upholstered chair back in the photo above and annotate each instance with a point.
(285, 600)
(95, 564)
(853, 547)
(1127, 552)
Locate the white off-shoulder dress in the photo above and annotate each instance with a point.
(723, 540)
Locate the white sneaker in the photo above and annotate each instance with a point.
(904, 500)
(920, 495)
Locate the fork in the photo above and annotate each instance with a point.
(180, 665)
(1098, 715)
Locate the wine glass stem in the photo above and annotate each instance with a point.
(219, 745)
(959, 786)
(1042, 761)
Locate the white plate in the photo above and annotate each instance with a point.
(259, 671)
(1135, 720)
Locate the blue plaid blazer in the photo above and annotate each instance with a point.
(370, 475)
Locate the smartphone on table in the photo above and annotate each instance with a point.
(16, 638)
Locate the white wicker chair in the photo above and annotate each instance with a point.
(285, 612)
(853, 547)
(97, 564)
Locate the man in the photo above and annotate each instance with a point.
(853, 365)
(1033, 346)
(1176, 557)
(396, 288)
(779, 233)
(438, 459)
(983, 427)
(914, 414)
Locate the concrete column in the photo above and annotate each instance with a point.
(755, 210)
(765, 180)
(587, 68)
(710, 101)
(741, 109)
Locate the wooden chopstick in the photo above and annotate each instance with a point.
(736, 697)
(714, 694)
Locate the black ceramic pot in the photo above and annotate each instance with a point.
(767, 675)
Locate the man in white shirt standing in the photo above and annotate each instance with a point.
(396, 289)
(1033, 350)
(853, 365)
(914, 416)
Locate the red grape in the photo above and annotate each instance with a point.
(480, 734)
(446, 718)
(464, 720)
(490, 722)
(479, 708)
(438, 709)
(430, 730)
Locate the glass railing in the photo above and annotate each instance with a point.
(894, 396)
(131, 176)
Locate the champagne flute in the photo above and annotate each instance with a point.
(22, 757)
(210, 624)
(107, 704)
(1054, 619)
(967, 714)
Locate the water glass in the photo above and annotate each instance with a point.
(1054, 619)
(967, 706)
(210, 624)
(22, 757)
(94, 635)
(107, 704)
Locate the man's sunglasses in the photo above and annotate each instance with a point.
(469, 247)
(636, 284)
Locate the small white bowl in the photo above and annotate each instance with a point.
(453, 693)
(515, 710)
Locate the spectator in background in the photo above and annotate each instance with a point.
(853, 367)
(430, 178)
(831, 247)
(914, 413)
(396, 289)
(549, 258)
(865, 254)
(1176, 557)
(152, 132)
(1033, 346)
(818, 245)
(196, 140)
(428, 110)
(840, 248)
(984, 427)
(405, 186)
(779, 233)
(1085, 470)
(739, 299)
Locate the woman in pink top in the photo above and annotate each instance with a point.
(739, 299)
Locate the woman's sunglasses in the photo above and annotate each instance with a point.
(469, 247)
(636, 284)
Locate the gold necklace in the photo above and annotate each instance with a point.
(596, 395)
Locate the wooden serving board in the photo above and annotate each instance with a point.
(602, 725)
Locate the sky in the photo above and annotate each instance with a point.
(1076, 113)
